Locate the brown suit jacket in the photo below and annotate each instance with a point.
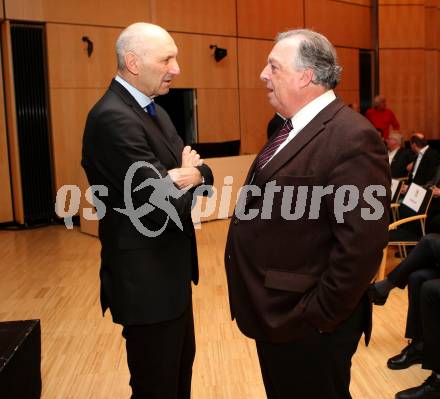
(289, 278)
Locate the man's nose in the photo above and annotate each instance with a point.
(175, 69)
(264, 75)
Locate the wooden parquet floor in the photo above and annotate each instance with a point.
(52, 274)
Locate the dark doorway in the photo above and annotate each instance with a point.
(31, 102)
(181, 107)
(365, 79)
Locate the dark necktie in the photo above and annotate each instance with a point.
(273, 145)
(151, 109)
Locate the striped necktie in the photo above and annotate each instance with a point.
(273, 145)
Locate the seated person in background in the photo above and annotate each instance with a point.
(398, 156)
(381, 117)
(433, 217)
(421, 272)
(425, 164)
(274, 125)
(430, 359)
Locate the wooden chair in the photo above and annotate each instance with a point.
(410, 229)
(396, 190)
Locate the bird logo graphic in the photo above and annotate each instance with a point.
(163, 190)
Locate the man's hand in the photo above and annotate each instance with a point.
(186, 177)
(404, 189)
(435, 191)
(190, 158)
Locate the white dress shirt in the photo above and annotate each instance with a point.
(140, 97)
(392, 154)
(305, 115)
(418, 160)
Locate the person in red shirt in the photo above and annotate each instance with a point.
(381, 117)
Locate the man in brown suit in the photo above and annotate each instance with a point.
(307, 235)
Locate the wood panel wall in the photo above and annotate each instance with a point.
(11, 124)
(255, 111)
(409, 43)
(76, 81)
(222, 125)
(346, 24)
(263, 20)
(348, 89)
(218, 110)
(69, 109)
(97, 12)
(232, 101)
(196, 16)
(198, 66)
(6, 212)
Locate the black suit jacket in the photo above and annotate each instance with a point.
(143, 279)
(401, 160)
(289, 277)
(427, 167)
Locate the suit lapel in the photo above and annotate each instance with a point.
(251, 172)
(397, 156)
(155, 125)
(299, 142)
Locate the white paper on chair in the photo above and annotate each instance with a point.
(414, 197)
(394, 186)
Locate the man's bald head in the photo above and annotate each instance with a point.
(147, 58)
(139, 38)
(379, 102)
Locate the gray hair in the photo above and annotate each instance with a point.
(124, 44)
(133, 40)
(397, 136)
(317, 53)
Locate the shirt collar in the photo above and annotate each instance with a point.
(423, 150)
(313, 108)
(140, 97)
(394, 152)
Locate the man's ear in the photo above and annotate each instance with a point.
(131, 63)
(307, 77)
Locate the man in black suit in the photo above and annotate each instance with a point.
(398, 156)
(426, 161)
(297, 272)
(146, 265)
(420, 271)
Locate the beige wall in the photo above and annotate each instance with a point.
(103, 13)
(6, 214)
(232, 101)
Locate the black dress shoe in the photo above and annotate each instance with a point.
(430, 389)
(375, 296)
(410, 355)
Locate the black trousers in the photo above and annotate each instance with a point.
(160, 358)
(416, 282)
(425, 255)
(316, 367)
(430, 305)
(421, 265)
